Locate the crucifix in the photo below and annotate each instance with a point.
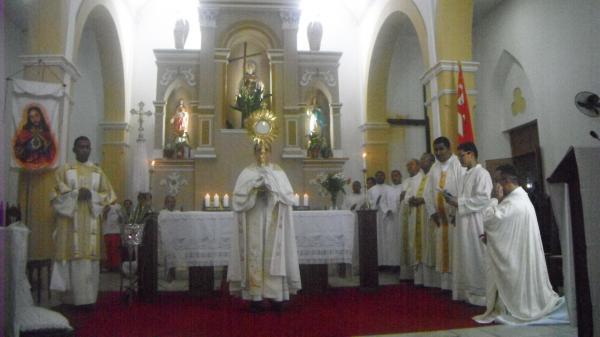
(244, 58)
(141, 113)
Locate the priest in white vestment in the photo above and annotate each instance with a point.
(81, 193)
(263, 262)
(468, 255)
(422, 229)
(445, 177)
(388, 230)
(518, 286)
(353, 202)
(406, 246)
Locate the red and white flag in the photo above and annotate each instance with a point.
(465, 129)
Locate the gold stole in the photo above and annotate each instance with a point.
(419, 220)
(405, 250)
(443, 218)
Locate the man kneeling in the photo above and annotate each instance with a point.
(518, 287)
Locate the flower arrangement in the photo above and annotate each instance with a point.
(331, 184)
(249, 99)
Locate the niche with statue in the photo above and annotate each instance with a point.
(318, 128)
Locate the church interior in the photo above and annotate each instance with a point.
(164, 91)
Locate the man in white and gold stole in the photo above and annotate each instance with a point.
(518, 286)
(263, 261)
(445, 177)
(422, 230)
(353, 202)
(468, 255)
(82, 191)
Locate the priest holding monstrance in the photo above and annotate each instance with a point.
(263, 262)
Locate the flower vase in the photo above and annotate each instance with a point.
(333, 201)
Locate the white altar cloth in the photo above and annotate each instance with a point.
(194, 239)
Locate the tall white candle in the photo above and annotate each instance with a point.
(207, 200)
(296, 200)
(305, 201)
(216, 200)
(364, 157)
(226, 200)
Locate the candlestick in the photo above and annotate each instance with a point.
(226, 200)
(305, 200)
(296, 200)
(216, 200)
(364, 160)
(207, 201)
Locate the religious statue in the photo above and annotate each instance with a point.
(179, 126)
(251, 93)
(316, 141)
(34, 144)
(180, 33)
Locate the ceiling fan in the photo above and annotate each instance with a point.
(588, 103)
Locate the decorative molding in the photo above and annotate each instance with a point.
(208, 16)
(445, 92)
(177, 57)
(276, 56)
(123, 144)
(169, 165)
(329, 164)
(294, 107)
(328, 77)
(233, 131)
(115, 126)
(204, 153)
(221, 55)
(169, 74)
(319, 58)
(174, 181)
(290, 18)
(374, 126)
(467, 67)
(52, 60)
(293, 152)
(406, 121)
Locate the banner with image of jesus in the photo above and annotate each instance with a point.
(35, 115)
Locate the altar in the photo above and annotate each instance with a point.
(203, 239)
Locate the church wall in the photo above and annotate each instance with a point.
(557, 46)
(15, 42)
(405, 100)
(88, 95)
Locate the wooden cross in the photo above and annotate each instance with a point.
(244, 57)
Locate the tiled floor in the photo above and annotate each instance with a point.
(111, 282)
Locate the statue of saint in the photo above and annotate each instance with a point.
(180, 120)
(180, 33)
(250, 81)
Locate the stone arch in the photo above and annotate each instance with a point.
(508, 76)
(395, 17)
(100, 16)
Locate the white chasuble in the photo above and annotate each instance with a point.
(468, 283)
(78, 232)
(518, 287)
(264, 259)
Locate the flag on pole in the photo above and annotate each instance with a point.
(465, 129)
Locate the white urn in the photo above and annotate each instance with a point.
(314, 32)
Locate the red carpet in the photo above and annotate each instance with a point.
(338, 312)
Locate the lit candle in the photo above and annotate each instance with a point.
(216, 200)
(207, 200)
(296, 200)
(226, 200)
(364, 160)
(305, 201)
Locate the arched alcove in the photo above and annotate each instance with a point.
(95, 26)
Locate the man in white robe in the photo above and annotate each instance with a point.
(263, 261)
(169, 205)
(81, 193)
(422, 230)
(353, 202)
(445, 176)
(406, 250)
(518, 286)
(468, 255)
(381, 197)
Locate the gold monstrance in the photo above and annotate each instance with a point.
(262, 127)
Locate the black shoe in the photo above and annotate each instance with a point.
(256, 307)
(277, 306)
